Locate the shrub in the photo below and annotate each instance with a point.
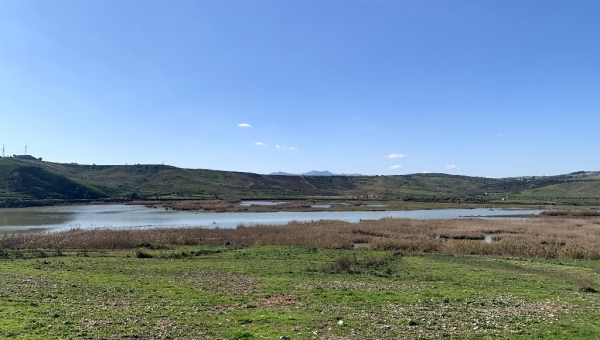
(141, 254)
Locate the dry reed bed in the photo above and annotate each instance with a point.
(571, 213)
(233, 205)
(190, 205)
(543, 237)
(220, 205)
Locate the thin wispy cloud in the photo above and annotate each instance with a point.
(452, 167)
(288, 148)
(395, 155)
(245, 125)
(260, 144)
(395, 166)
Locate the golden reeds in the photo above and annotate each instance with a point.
(544, 237)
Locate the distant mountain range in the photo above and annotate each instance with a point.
(27, 181)
(312, 173)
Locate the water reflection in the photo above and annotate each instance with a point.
(23, 217)
(322, 206)
(249, 203)
(117, 216)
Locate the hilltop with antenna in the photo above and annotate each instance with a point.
(4, 151)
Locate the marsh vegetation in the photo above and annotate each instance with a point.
(429, 279)
(536, 237)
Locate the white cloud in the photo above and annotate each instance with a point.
(288, 148)
(396, 166)
(500, 134)
(260, 143)
(452, 167)
(395, 155)
(245, 125)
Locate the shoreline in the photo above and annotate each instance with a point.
(309, 205)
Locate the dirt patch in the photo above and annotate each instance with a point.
(362, 286)
(481, 317)
(216, 281)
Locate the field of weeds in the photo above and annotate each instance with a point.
(546, 237)
(284, 292)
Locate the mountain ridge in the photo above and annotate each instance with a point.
(27, 179)
(312, 173)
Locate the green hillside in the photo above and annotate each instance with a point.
(27, 179)
(577, 189)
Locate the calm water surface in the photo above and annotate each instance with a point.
(137, 216)
(249, 203)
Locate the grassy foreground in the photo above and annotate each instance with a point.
(291, 292)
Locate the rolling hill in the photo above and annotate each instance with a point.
(25, 180)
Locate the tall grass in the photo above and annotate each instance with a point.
(571, 213)
(190, 205)
(220, 205)
(545, 237)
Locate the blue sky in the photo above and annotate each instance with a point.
(480, 88)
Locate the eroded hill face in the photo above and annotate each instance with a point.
(28, 178)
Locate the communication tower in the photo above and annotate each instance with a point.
(3, 151)
(25, 150)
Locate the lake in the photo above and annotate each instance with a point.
(37, 219)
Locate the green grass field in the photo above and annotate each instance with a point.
(276, 292)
